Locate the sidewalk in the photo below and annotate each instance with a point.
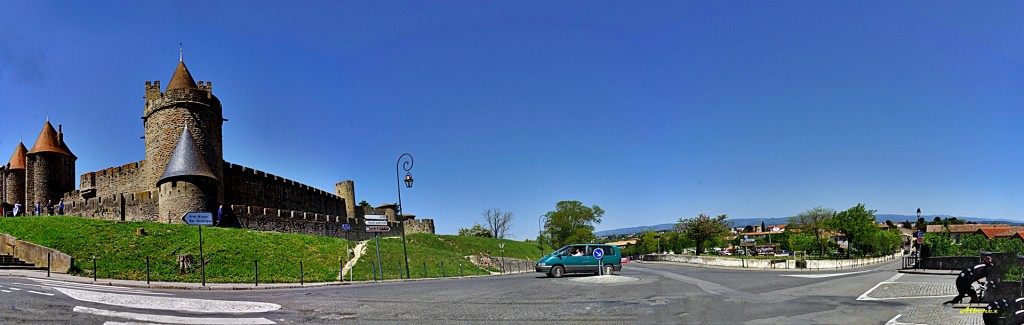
(209, 286)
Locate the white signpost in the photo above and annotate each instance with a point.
(377, 223)
(199, 219)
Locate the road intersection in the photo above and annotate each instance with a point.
(643, 293)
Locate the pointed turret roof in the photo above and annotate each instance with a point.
(18, 158)
(186, 160)
(181, 78)
(48, 142)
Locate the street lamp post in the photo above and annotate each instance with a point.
(659, 243)
(540, 233)
(407, 166)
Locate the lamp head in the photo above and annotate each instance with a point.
(408, 180)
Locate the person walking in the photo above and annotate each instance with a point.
(39, 209)
(220, 214)
(967, 277)
(60, 207)
(49, 207)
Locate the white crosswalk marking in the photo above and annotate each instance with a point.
(39, 293)
(90, 287)
(168, 303)
(163, 319)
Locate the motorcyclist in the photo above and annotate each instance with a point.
(967, 277)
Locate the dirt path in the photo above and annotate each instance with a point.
(358, 251)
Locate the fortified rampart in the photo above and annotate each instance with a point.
(419, 226)
(247, 186)
(270, 219)
(140, 206)
(114, 180)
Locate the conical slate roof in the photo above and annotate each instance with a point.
(186, 160)
(48, 142)
(181, 78)
(18, 158)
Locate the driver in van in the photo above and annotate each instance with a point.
(577, 252)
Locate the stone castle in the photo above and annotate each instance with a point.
(184, 170)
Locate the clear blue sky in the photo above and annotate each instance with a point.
(654, 110)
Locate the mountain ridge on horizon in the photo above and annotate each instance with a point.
(743, 222)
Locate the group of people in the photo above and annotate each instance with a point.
(38, 209)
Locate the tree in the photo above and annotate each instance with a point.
(476, 231)
(921, 224)
(855, 223)
(889, 224)
(748, 228)
(572, 222)
(907, 225)
(363, 204)
(498, 222)
(814, 221)
(703, 229)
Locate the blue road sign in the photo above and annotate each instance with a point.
(346, 226)
(598, 253)
(198, 218)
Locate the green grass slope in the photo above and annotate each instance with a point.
(121, 253)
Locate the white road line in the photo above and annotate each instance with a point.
(163, 319)
(39, 293)
(894, 322)
(864, 296)
(95, 288)
(7, 291)
(167, 303)
(818, 276)
(15, 289)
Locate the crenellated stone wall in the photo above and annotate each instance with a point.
(247, 186)
(115, 180)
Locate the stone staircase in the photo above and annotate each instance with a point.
(9, 262)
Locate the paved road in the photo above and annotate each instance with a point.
(643, 293)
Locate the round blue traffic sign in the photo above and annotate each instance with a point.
(598, 253)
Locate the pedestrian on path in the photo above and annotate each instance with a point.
(966, 279)
(60, 207)
(39, 209)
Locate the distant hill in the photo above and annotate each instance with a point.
(897, 218)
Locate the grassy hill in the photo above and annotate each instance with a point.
(121, 253)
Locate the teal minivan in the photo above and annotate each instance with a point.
(579, 258)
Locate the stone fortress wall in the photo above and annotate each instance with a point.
(130, 192)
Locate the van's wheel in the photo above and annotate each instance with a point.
(557, 271)
(609, 270)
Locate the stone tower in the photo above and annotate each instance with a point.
(187, 184)
(14, 177)
(49, 168)
(183, 104)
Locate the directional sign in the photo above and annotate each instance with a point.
(598, 253)
(376, 217)
(378, 229)
(198, 218)
(376, 223)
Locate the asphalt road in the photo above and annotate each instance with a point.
(643, 293)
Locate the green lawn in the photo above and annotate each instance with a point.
(121, 253)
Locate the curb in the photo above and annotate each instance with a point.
(929, 272)
(213, 286)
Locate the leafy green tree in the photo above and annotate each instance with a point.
(921, 224)
(889, 224)
(572, 222)
(855, 223)
(477, 231)
(801, 242)
(814, 221)
(704, 230)
(907, 225)
(748, 228)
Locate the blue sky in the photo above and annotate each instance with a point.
(654, 111)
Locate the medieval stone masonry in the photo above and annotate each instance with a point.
(184, 170)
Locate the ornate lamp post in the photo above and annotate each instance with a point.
(407, 166)
(540, 233)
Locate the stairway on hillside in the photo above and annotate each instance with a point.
(9, 262)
